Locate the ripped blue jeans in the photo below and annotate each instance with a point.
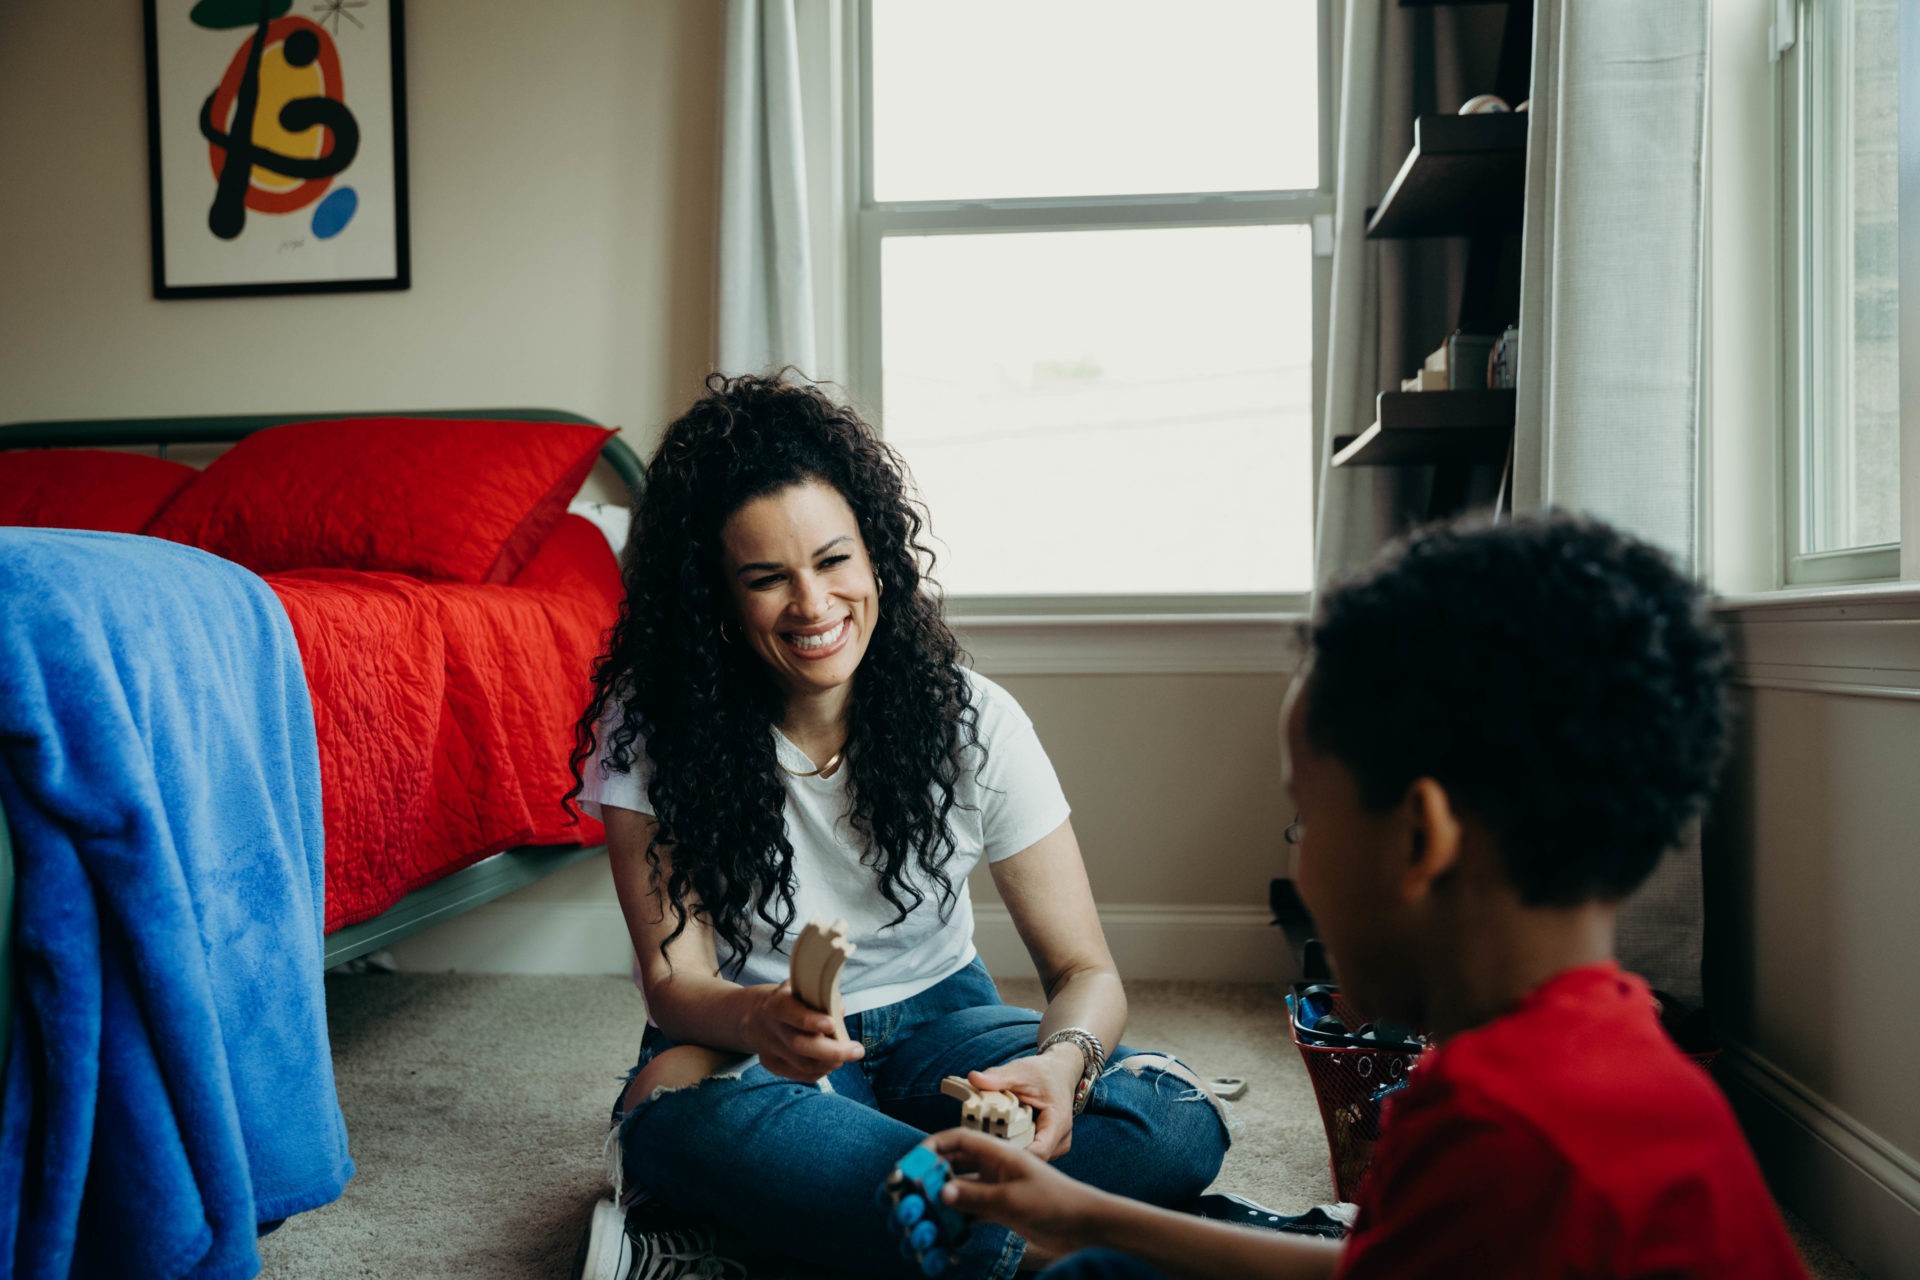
(796, 1165)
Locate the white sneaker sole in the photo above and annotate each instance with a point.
(606, 1244)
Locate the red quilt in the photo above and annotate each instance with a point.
(446, 712)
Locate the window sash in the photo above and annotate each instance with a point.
(1818, 300)
(871, 222)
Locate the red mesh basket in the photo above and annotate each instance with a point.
(1345, 1084)
(1346, 1081)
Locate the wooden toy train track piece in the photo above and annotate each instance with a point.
(990, 1111)
(819, 953)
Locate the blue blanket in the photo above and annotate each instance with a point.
(169, 1083)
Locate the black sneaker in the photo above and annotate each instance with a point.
(1328, 1220)
(621, 1245)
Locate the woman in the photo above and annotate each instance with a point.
(781, 730)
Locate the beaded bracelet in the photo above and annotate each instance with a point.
(1094, 1053)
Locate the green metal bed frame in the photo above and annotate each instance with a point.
(463, 890)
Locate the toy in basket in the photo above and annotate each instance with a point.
(1354, 1069)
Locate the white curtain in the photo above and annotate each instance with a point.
(1611, 279)
(782, 262)
(1611, 300)
(1355, 504)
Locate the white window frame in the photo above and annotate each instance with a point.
(869, 223)
(1909, 253)
(1816, 293)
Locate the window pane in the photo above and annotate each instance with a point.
(1855, 455)
(1007, 98)
(1121, 412)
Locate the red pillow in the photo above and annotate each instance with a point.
(86, 488)
(575, 559)
(438, 498)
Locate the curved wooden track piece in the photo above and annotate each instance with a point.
(819, 953)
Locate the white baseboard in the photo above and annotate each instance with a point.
(1851, 1185)
(1227, 943)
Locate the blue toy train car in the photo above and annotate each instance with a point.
(928, 1230)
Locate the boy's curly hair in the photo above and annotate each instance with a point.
(1560, 679)
(705, 709)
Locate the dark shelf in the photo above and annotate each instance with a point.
(1465, 174)
(1431, 426)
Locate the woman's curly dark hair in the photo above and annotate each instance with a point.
(1561, 679)
(705, 709)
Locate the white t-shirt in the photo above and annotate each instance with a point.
(999, 809)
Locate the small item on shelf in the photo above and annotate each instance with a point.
(1467, 360)
(1425, 380)
(1437, 360)
(1484, 104)
(1524, 104)
(1506, 359)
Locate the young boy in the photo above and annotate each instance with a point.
(1496, 734)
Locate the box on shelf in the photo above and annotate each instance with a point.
(1461, 363)
(1467, 358)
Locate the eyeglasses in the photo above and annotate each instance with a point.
(1294, 831)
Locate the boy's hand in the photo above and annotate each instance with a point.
(1046, 1083)
(1015, 1189)
(794, 1041)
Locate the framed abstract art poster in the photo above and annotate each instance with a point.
(276, 141)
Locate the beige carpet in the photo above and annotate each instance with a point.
(476, 1105)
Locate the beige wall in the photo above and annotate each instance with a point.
(561, 160)
(1813, 891)
(1174, 781)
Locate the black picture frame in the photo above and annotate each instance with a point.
(211, 237)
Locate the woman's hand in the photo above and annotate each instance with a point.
(793, 1040)
(1046, 1083)
(1013, 1188)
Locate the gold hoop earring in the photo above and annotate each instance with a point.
(726, 635)
(879, 584)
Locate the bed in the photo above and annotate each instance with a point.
(388, 877)
(322, 698)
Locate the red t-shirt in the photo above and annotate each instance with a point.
(1568, 1137)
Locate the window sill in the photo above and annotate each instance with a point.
(1131, 644)
(1859, 601)
(1854, 641)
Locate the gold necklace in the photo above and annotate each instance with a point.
(833, 762)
